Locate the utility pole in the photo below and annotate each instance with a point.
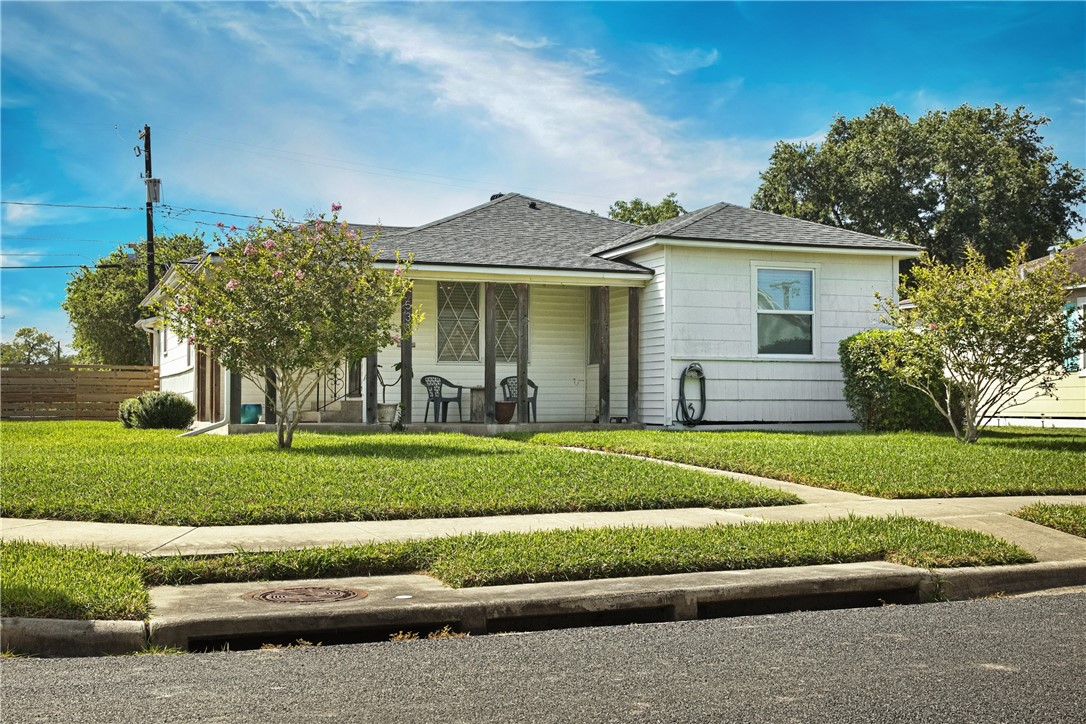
(152, 196)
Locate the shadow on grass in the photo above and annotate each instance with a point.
(35, 601)
(1063, 441)
(413, 450)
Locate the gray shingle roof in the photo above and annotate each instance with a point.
(727, 222)
(514, 231)
(1076, 259)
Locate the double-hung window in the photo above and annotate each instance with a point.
(785, 311)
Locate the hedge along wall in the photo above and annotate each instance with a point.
(70, 392)
(878, 402)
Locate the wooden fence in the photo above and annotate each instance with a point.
(70, 392)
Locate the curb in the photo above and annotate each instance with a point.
(676, 597)
(961, 584)
(61, 637)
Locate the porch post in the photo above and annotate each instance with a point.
(605, 354)
(235, 398)
(522, 353)
(371, 389)
(270, 394)
(490, 350)
(633, 357)
(405, 359)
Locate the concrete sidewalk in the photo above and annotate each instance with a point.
(984, 514)
(186, 615)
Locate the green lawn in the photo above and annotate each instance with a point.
(1020, 461)
(42, 581)
(1067, 518)
(103, 472)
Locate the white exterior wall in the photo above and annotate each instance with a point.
(700, 307)
(620, 359)
(176, 360)
(557, 353)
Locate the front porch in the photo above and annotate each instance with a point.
(577, 343)
(467, 428)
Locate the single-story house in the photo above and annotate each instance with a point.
(618, 322)
(1067, 405)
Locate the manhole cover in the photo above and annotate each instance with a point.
(306, 594)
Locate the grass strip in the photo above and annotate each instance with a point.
(1005, 461)
(44, 581)
(41, 581)
(102, 472)
(1067, 518)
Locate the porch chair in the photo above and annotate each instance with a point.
(435, 393)
(509, 391)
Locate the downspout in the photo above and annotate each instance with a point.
(227, 399)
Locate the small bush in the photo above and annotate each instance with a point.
(129, 411)
(155, 410)
(878, 402)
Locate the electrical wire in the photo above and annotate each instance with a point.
(73, 206)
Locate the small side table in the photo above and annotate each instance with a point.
(478, 404)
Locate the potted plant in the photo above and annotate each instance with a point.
(386, 412)
(504, 411)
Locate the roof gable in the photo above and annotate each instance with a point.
(514, 230)
(724, 222)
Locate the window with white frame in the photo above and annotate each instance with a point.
(785, 311)
(457, 321)
(505, 313)
(1075, 314)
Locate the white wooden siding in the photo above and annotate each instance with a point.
(654, 363)
(703, 302)
(175, 370)
(620, 358)
(556, 353)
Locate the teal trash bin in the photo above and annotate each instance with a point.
(250, 414)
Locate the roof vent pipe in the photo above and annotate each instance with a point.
(495, 197)
(531, 205)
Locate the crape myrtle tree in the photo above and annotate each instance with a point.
(292, 299)
(968, 177)
(1000, 336)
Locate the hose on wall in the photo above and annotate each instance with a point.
(686, 412)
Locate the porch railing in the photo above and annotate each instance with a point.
(341, 382)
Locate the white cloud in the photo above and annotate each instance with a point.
(677, 61)
(525, 43)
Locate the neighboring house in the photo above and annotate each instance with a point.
(760, 301)
(1068, 405)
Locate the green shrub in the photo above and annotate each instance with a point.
(155, 409)
(878, 402)
(128, 411)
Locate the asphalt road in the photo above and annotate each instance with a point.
(1000, 660)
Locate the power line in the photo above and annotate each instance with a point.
(72, 206)
(64, 266)
(8, 253)
(57, 238)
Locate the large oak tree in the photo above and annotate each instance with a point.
(980, 177)
(103, 301)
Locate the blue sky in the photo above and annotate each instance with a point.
(407, 112)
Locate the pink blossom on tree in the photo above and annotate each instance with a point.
(258, 317)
